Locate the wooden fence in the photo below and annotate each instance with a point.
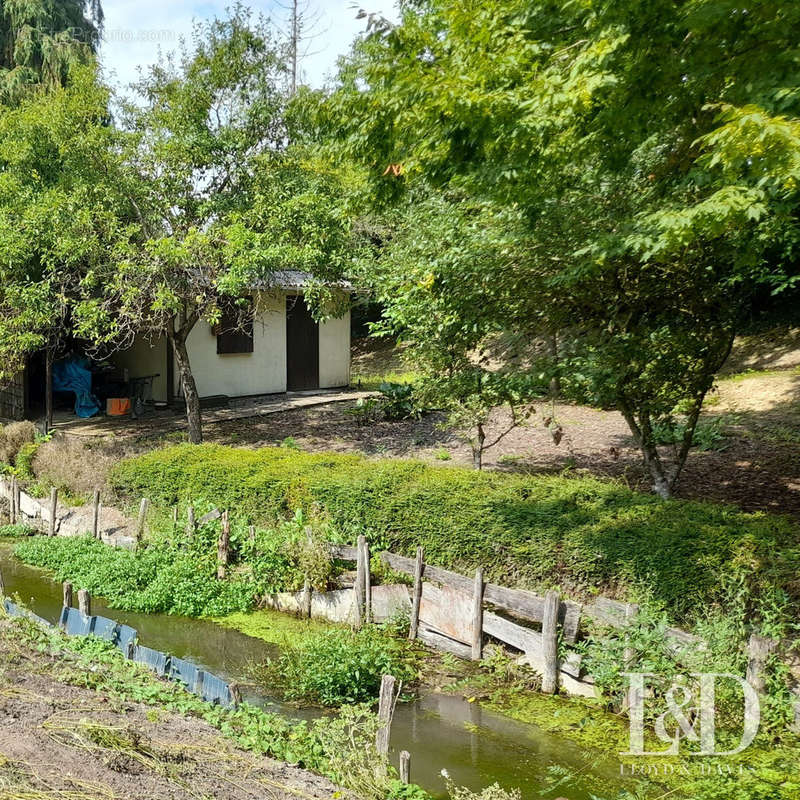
(449, 611)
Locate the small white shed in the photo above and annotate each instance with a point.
(284, 350)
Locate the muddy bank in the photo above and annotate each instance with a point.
(58, 740)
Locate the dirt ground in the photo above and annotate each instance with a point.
(757, 466)
(61, 741)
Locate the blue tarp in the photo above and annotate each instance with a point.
(73, 375)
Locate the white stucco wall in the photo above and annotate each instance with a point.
(143, 359)
(334, 352)
(261, 372)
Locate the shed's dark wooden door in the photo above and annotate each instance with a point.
(302, 347)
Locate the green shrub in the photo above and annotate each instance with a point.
(15, 531)
(158, 579)
(577, 533)
(339, 666)
(24, 460)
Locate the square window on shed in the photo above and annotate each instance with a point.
(234, 331)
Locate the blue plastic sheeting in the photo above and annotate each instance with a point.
(211, 688)
(126, 637)
(215, 690)
(185, 672)
(104, 628)
(73, 375)
(154, 659)
(75, 623)
(13, 610)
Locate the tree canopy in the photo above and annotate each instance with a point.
(41, 39)
(651, 149)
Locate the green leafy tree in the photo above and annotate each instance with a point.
(60, 219)
(41, 39)
(443, 294)
(222, 205)
(650, 147)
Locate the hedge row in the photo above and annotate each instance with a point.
(576, 533)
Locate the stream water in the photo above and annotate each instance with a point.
(475, 746)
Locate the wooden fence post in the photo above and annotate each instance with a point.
(175, 515)
(759, 649)
(12, 502)
(85, 602)
(224, 547)
(191, 525)
(385, 712)
(419, 568)
(405, 767)
(236, 694)
(96, 515)
(307, 582)
(358, 588)
(2, 586)
(140, 523)
(252, 532)
(477, 616)
(628, 654)
(550, 643)
(53, 510)
(17, 500)
(367, 583)
(67, 594)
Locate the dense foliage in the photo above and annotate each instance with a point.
(579, 533)
(156, 579)
(40, 40)
(634, 164)
(339, 666)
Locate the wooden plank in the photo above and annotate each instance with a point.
(358, 588)
(344, 552)
(441, 642)
(224, 547)
(367, 582)
(67, 594)
(212, 516)
(96, 515)
(759, 649)
(53, 511)
(85, 602)
(140, 523)
(520, 638)
(519, 602)
(405, 767)
(448, 611)
(385, 713)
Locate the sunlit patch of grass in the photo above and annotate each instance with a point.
(371, 383)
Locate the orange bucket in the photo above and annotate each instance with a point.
(118, 406)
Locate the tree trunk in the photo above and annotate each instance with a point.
(477, 448)
(48, 390)
(555, 381)
(643, 436)
(194, 416)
